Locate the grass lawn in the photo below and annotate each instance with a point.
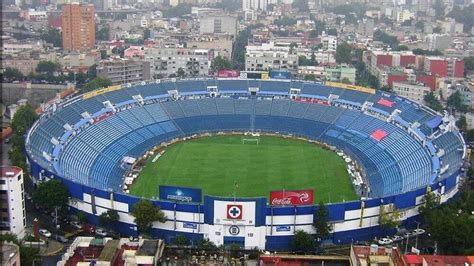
(216, 163)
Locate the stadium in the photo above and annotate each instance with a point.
(239, 140)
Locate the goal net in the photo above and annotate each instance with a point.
(251, 141)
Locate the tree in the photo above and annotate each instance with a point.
(13, 74)
(82, 217)
(303, 241)
(432, 102)
(311, 77)
(388, 39)
(343, 53)
(284, 21)
(455, 101)
(53, 36)
(470, 136)
(23, 119)
(177, 11)
(420, 24)
(181, 240)
(146, 34)
(428, 204)
(439, 8)
(220, 63)
(468, 64)
(51, 194)
(109, 218)
(437, 29)
(301, 5)
(229, 5)
(463, 16)
(389, 217)
(332, 32)
(346, 81)
(180, 73)
(402, 48)
(462, 123)
(103, 54)
(206, 244)
(96, 83)
(321, 222)
(145, 214)
(92, 72)
(48, 67)
(102, 33)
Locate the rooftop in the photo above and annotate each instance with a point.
(10, 171)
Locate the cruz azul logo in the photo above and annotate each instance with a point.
(234, 211)
(292, 197)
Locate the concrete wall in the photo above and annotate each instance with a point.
(34, 93)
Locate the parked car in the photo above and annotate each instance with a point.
(396, 238)
(418, 231)
(76, 224)
(385, 241)
(88, 229)
(45, 233)
(62, 239)
(100, 232)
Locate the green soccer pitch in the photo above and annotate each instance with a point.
(216, 163)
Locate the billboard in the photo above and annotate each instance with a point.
(280, 75)
(292, 197)
(254, 75)
(180, 194)
(228, 73)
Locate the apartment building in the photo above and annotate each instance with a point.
(167, 62)
(268, 56)
(123, 70)
(78, 27)
(12, 211)
(413, 91)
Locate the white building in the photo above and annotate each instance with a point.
(166, 62)
(254, 5)
(329, 42)
(404, 15)
(217, 23)
(268, 56)
(412, 91)
(438, 41)
(12, 212)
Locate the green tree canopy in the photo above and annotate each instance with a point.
(432, 102)
(303, 241)
(468, 64)
(388, 39)
(109, 218)
(102, 33)
(389, 217)
(301, 5)
(181, 240)
(455, 101)
(220, 63)
(96, 83)
(177, 11)
(321, 222)
(53, 36)
(48, 67)
(51, 194)
(344, 53)
(145, 214)
(464, 16)
(419, 51)
(285, 21)
(12, 73)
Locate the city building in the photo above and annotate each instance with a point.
(212, 23)
(80, 61)
(444, 67)
(413, 91)
(341, 73)
(254, 5)
(78, 27)
(375, 255)
(329, 42)
(10, 254)
(122, 70)
(12, 212)
(108, 251)
(166, 62)
(24, 65)
(268, 56)
(220, 45)
(438, 41)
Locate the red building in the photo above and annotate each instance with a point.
(428, 80)
(395, 78)
(406, 60)
(444, 67)
(384, 60)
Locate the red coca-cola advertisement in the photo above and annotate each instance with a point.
(292, 197)
(228, 73)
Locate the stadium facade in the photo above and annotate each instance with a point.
(404, 148)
